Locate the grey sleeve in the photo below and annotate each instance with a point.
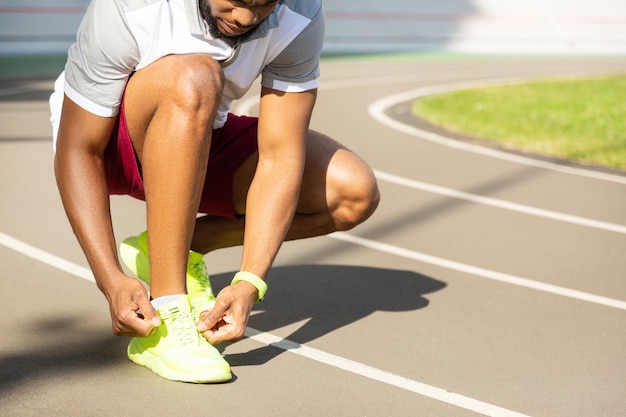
(296, 68)
(100, 61)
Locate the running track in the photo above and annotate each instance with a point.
(488, 283)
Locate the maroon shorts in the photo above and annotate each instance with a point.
(231, 146)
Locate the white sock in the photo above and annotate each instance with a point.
(159, 302)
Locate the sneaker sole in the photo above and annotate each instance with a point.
(153, 363)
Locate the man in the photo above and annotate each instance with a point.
(142, 109)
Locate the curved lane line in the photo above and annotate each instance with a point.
(377, 110)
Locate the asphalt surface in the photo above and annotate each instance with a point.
(487, 283)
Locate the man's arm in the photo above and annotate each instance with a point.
(272, 199)
(80, 175)
(283, 126)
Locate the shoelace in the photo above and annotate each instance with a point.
(182, 324)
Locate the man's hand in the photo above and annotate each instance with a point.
(229, 317)
(131, 311)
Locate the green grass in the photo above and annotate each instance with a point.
(578, 120)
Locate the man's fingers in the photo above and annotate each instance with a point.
(131, 324)
(209, 319)
(216, 337)
(149, 313)
(228, 332)
(139, 319)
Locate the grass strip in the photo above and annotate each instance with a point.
(579, 120)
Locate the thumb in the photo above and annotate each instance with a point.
(209, 318)
(149, 312)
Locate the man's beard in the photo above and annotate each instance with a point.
(205, 12)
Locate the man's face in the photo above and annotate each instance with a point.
(235, 18)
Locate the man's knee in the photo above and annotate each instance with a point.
(357, 194)
(195, 81)
(184, 90)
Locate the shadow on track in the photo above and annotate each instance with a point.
(329, 297)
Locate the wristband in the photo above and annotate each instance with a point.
(249, 277)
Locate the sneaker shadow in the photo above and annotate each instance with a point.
(328, 297)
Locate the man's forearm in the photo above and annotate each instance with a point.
(79, 170)
(84, 193)
(272, 201)
(274, 192)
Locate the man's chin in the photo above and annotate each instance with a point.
(231, 31)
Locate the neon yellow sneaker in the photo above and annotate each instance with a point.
(199, 284)
(134, 254)
(177, 351)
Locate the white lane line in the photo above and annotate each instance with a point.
(520, 208)
(378, 108)
(379, 375)
(45, 257)
(480, 272)
(293, 347)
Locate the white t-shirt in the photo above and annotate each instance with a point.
(117, 37)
